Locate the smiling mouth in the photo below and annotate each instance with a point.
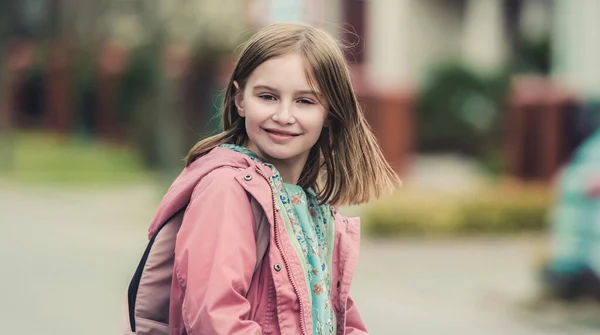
(280, 132)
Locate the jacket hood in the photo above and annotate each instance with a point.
(179, 194)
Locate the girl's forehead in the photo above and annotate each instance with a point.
(289, 71)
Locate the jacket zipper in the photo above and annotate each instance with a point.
(285, 261)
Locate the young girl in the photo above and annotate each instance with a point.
(295, 141)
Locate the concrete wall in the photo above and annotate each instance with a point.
(405, 38)
(576, 54)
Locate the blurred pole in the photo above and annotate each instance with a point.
(353, 13)
(169, 120)
(18, 59)
(389, 52)
(286, 11)
(484, 36)
(7, 151)
(205, 70)
(576, 47)
(58, 88)
(575, 55)
(112, 61)
(388, 94)
(58, 73)
(535, 20)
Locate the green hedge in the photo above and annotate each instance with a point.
(40, 158)
(497, 210)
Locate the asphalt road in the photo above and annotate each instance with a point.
(67, 256)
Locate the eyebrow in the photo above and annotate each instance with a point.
(268, 88)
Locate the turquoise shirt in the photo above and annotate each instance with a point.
(311, 224)
(310, 228)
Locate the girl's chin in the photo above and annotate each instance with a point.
(279, 153)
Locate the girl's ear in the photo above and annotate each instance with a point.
(239, 99)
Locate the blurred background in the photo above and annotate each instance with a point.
(488, 109)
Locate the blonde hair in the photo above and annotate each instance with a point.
(346, 165)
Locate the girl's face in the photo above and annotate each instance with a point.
(283, 117)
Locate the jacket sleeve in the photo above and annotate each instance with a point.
(215, 256)
(354, 322)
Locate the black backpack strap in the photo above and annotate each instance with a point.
(135, 281)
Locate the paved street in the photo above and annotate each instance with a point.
(67, 257)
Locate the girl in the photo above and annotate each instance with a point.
(294, 141)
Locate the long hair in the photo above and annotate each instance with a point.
(346, 165)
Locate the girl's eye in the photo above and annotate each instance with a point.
(267, 97)
(306, 101)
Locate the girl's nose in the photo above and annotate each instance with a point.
(283, 115)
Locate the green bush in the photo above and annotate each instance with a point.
(504, 213)
(460, 111)
(489, 211)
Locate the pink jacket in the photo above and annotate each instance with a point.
(215, 289)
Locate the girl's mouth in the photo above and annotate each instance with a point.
(280, 135)
(280, 132)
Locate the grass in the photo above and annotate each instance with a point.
(43, 158)
(494, 209)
